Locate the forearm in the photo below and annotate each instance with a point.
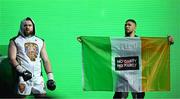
(48, 70)
(47, 67)
(13, 62)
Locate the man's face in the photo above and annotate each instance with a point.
(28, 28)
(129, 27)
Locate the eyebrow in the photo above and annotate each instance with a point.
(127, 24)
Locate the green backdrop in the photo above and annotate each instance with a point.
(59, 22)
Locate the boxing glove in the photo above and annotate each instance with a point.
(51, 85)
(24, 73)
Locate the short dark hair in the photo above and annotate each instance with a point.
(131, 20)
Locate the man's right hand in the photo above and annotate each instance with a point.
(24, 73)
(79, 39)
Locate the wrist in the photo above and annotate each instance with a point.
(21, 79)
(50, 76)
(20, 69)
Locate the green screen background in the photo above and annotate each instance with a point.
(59, 22)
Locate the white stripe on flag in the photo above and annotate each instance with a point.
(126, 80)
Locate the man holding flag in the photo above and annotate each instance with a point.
(130, 27)
(122, 62)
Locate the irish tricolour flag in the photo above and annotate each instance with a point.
(125, 64)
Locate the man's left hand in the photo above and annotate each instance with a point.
(171, 39)
(51, 85)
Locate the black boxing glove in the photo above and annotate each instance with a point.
(51, 85)
(24, 73)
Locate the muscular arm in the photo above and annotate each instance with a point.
(50, 83)
(12, 51)
(45, 58)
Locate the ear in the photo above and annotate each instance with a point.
(135, 26)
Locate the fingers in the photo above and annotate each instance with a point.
(171, 39)
(79, 39)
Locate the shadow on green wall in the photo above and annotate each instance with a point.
(7, 78)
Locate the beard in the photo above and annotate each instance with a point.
(127, 33)
(28, 33)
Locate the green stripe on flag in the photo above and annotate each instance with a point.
(97, 63)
